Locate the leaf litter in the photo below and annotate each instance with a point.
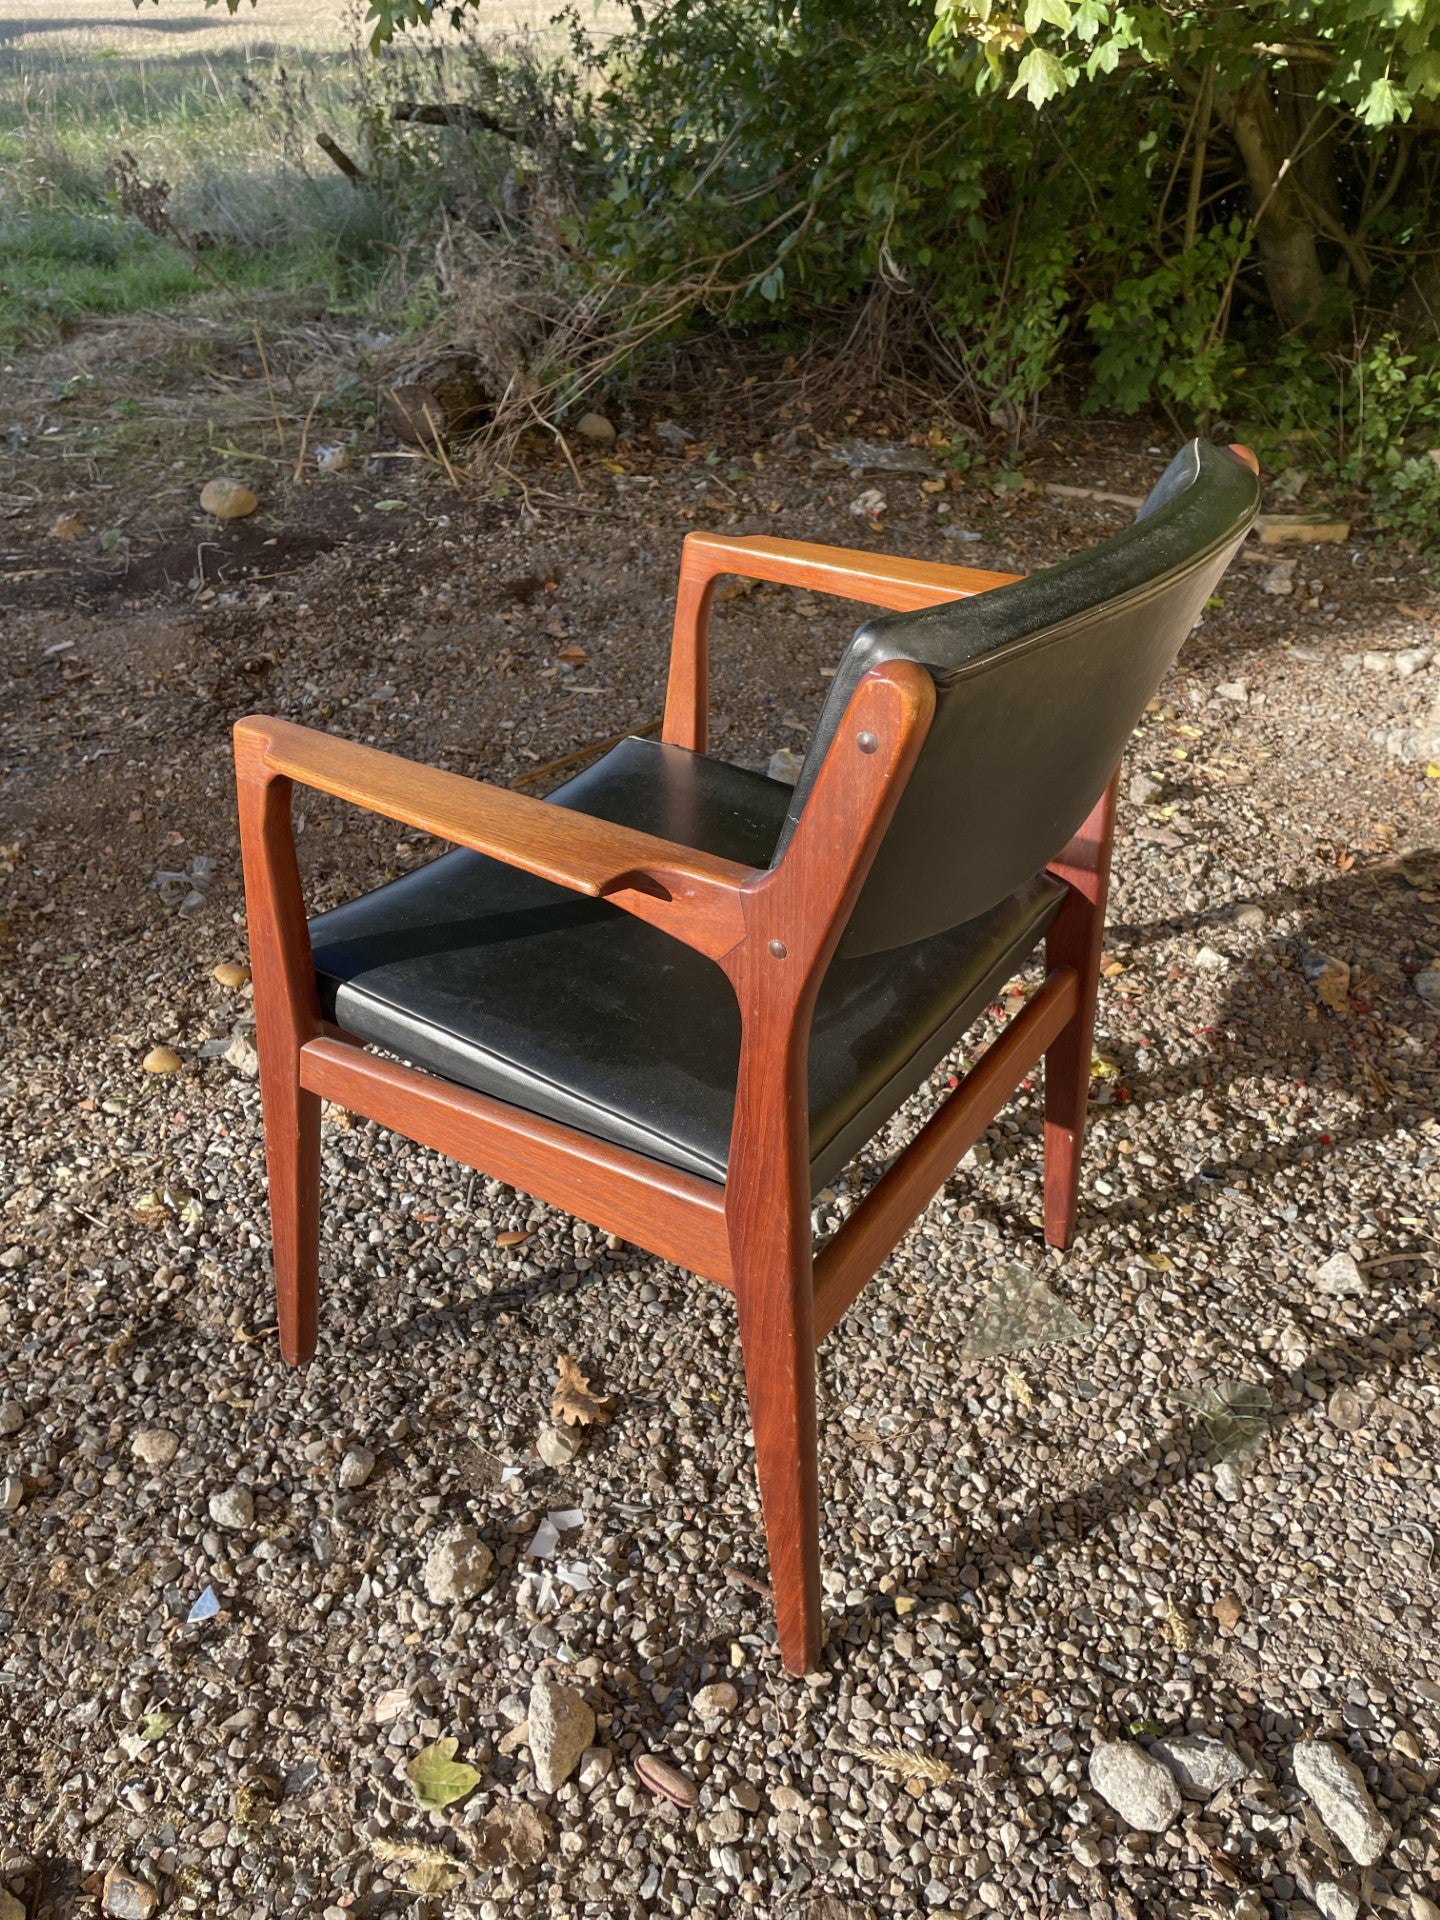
(575, 1401)
(437, 1779)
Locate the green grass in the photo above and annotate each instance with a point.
(230, 136)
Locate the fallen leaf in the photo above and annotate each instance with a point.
(425, 1870)
(1228, 1610)
(68, 527)
(514, 1238)
(514, 1832)
(437, 1778)
(576, 1401)
(573, 656)
(156, 1725)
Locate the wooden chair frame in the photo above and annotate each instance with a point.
(772, 932)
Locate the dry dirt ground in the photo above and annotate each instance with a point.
(1027, 1547)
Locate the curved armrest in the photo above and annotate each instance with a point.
(875, 579)
(694, 896)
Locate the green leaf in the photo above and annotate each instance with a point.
(437, 1778)
(1052, 13)
(1040, 77)
(1383, 102)
(156, 1725)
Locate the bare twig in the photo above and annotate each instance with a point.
(304, 440)
(269, 384)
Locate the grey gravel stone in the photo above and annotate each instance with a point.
(12, 1417)
(562, 1726)
(1336, 1788)
(12, 1492)
(1140, 1789)
(457, 1567)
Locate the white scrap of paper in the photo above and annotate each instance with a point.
(568, 1517)
(547, 1538)
(575, 1574)
(507, 1474)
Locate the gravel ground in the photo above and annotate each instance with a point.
(1170, 1483)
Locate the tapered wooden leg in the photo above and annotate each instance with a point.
(292, 1161)
(778, 1342)
(287, 1015)
(1075, 940)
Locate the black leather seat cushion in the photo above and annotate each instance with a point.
(567, 1007)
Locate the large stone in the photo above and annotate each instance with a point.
(1339, 1275)
(457, 1568)
(12, 1416)
(227, 499)
(1334, 1902)
(1142, 1790)
(561, 1728)
(356, 1467)
(233, 1507)
(155, 1447)
(716, 1702)
(1201, 1765)
(1336, 1788)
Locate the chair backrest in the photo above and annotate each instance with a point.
(1038, 687)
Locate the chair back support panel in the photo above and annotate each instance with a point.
(1038, 687)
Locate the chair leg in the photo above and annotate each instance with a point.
(779, 1349)
(287, 1015)
(292, 1161)
(1075, 940)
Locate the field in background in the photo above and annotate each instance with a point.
(220, 112)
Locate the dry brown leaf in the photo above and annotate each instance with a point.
(576, 1401)
(1228, 1610)
(512, 1832)
(514, 1238)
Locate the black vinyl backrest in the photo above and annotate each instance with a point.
(1038, 687)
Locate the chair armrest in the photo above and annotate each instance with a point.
(692, 895)
(876, 579)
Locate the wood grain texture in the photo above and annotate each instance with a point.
(287, 1015)
(692, 895)
(874, 579)
(1075, 940)
(902, 1193)
(670, 1213)
(794, 917)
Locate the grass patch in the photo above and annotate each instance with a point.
(225, 139)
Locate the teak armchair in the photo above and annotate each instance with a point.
(676, 996)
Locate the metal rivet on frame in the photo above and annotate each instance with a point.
(778, 949)
(866, 742)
